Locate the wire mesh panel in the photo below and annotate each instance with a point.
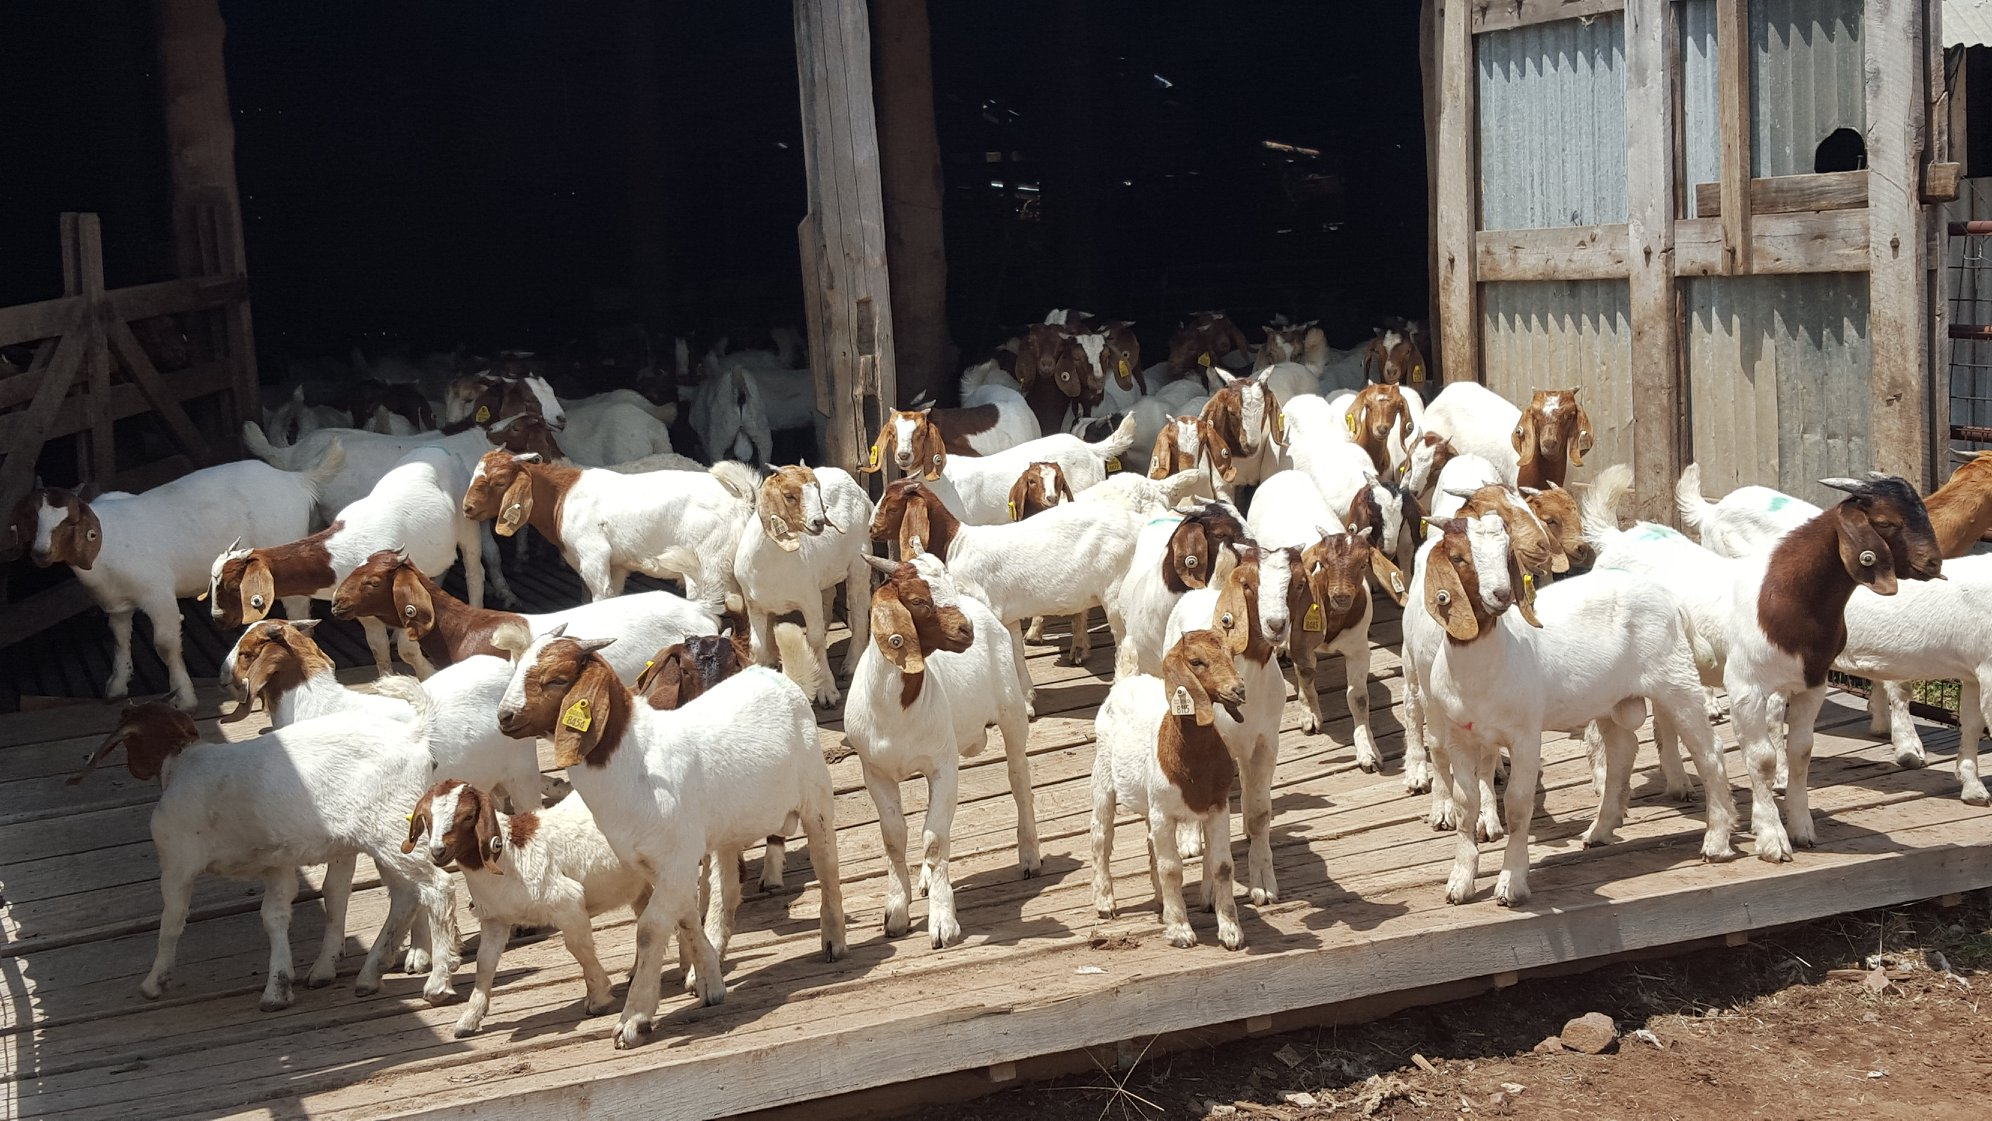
(1969, 260)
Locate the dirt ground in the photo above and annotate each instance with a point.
(1794, 1025)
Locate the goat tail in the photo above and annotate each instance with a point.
(326, 468)
(740, 480)
(513, 636)
(798, 660)
(1601, 505)
(406, 689)
(1689, 500)
(1118, 443)
(260, 446)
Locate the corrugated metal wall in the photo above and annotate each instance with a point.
(1701, 109)
(1552, 124)
(1806, 67)
(1778, 372)
(1557, 334)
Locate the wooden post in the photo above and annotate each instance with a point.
(1899, 434)
(852, 352)
(1458, 208)
(1428, 72)
(910, 170)
(83, 275)
(1732, 76)
(1657, 420)
(200, 136)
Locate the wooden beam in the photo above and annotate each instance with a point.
(1788, 194)
(200, 134)
(31, 426)
(1428, 73)
(1659, 422)
(83, 276)
(45, 319)
(1780, 244)
(1500, 15)
(126, 400)
(1732, 77)
(910, 184)
(1459, 210)
(841, 161)
(1565, 253)
(173, 297)
(138, 366)
(1899, 433)
(42, 610)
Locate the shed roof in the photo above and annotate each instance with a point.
(1967, 23)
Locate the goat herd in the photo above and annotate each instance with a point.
(1272, 499)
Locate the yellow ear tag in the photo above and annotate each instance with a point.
(1313, 620)
(874, 459)
(1113, 464)
(576, 716)
(483, 414)
(409, 818)
(1417, 374)
(202, 598)
(1013, 511)
(1351, 417)
(1123, 368)
(648, 662)
(1282, 428)
(1203, 359)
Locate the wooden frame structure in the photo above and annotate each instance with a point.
(1873, 221)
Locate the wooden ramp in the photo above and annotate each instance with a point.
(1038, 975)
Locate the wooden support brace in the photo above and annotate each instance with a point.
(139, 368)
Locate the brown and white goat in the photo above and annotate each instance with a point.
(1330, 598)
(1552, 436)
(1376, 414)
(1205, 341)
(1159, 754)
(1041, 486)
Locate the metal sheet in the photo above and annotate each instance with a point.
(1559, 334)
(1701, 107)
(1968, 23)
(1806, 67)
(1778, 370)
(1552, 124)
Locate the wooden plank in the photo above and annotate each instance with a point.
(1564, 253)
(23, 442)
(83, 275)
(1780, 244)
(174, 297)
(1659, 408)
(138, 367)
(1900, 430)
(37, 613)
(1459, 209)
(1732, 75)
(1789, 194)
(1501, 15)
(26, 323)
(126, 400)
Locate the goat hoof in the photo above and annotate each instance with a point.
(438, 992)
(150, 989)
(595, 1006)
(1910, 760)
(1510, 893)
(1230, 936)
(1106, 909)
(1368, 766)
(1459, 888)
(1181, 937)
(366, 986)
(318, 980)
(834, 949)
(465, 1028)
(630, 1031)
(277, 996)
(1975, 796)
(1031, 865)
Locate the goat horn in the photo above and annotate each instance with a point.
(1964, 456)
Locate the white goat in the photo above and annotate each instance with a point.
(140, 552)
(936, 674)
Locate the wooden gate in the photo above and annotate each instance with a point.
(90, 371)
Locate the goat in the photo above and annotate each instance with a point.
(936, 674)
(545, 867)
(280, 664)
(734, 766)
(1208, 339)
(141, 552)
(982, 483)
(1158, 753)
(1530, 446)
(1173, 555)
(1380, 419)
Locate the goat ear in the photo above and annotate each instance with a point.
(1863, 552)
(1525, 590)
(775, 525)
(584, 715)
(1064, 488)
(1388, 574)
(418, 824)
(1232, 618)
(894, 633)
(1523, 438)
(259, 591)
(933, 453)
(1162, 461)
(1179, 683)
(490, 839)
(881, 447)
(1020, 492)
(1581, 440)
(515, 509)
(110, 744)
(414, 610)
(1445, 599)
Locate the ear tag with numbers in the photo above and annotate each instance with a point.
(483, 414)
(1180, 703)
(874, 459)
(1013, 511)
(1203, 359)
(1313, 620)
(577, 716)
(1113, 464)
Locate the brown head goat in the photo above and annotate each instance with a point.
(519, 490)
(1203, 341)
(388, 587)
(1374, 412)
(1393, 358)
(1330, 598)
(1553, 434)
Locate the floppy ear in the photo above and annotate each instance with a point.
(515, 509)
(1524, 438)
(774, 524)
(414, 610)
(881, 448)
(1389, 575)
(584, 714)
(1445, 599)
(1403, 420)
(1219, 452)
(1019, 493)
(1525, 590)
(490, 839)
(1179, 681)
(259, 591)
(893, 632)
(1581, 440)
(1162, 463)
(933, 453)
(418, 824)
(1863, 552)
(110, 743)
(1233, 617)
(1064, 488)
